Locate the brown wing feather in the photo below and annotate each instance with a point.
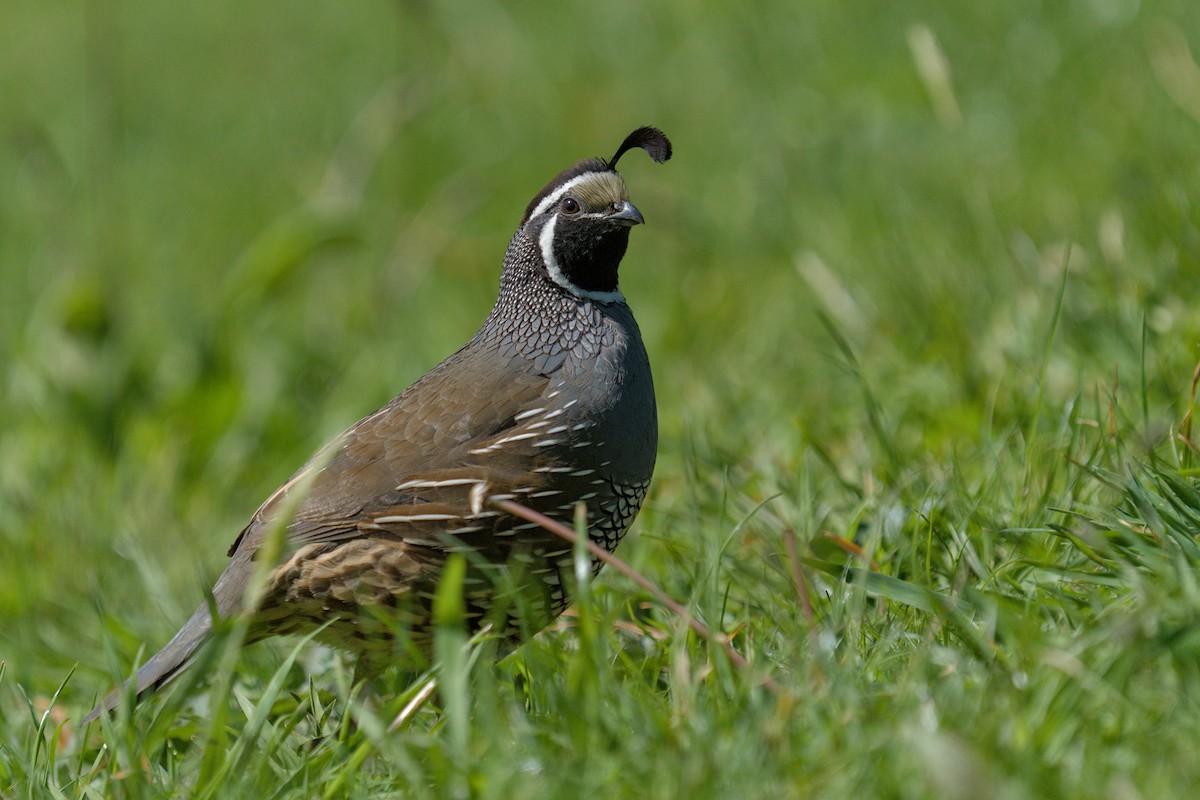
(395, 464)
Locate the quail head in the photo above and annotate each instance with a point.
(550, 404)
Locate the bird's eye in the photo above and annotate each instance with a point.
(570, 205)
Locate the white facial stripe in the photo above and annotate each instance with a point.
(554, 197)
(546, 242)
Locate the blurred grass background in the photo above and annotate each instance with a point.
(920, 275)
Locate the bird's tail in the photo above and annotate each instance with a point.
(165, 665)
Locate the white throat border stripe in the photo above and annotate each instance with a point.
(546, 242)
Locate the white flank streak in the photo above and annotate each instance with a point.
(515, 438)
(577, 445)
(557, 429)
(500, 497)
(415, 518)
(437, 484)
(546, 242)
(546, 443)
(422, 542)
(470, 529)
(582, 472)
(531, 412)
(569, 403)
(476, 497)
(547, 493)
(579, 427)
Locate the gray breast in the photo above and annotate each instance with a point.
(611, 435)
(590, 435)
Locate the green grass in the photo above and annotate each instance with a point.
(919, 291)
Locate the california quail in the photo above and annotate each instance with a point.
(550, 404)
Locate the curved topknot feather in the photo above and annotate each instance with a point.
(650, 139)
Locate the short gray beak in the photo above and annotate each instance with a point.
(626, 216)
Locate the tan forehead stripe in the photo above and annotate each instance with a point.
(593, 189)
(600, 190)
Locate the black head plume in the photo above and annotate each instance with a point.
(652, 140)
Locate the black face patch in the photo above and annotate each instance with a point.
(589, 252)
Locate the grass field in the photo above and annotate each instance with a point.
(919, 289)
